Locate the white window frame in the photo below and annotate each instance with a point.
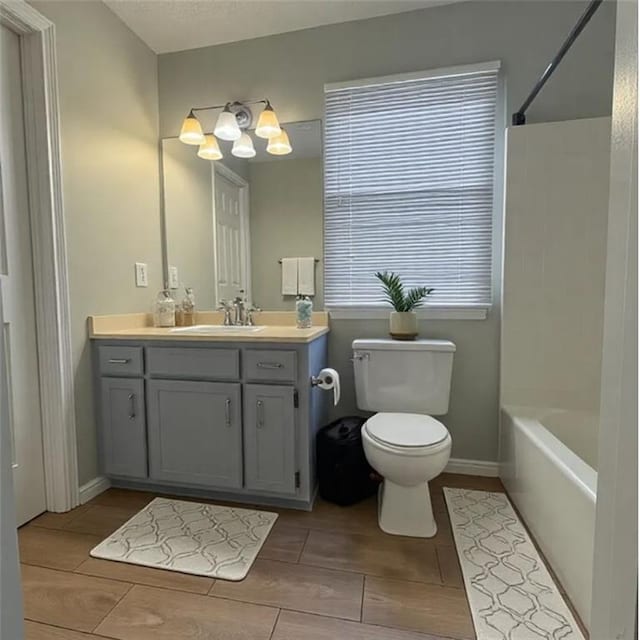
(430, 311)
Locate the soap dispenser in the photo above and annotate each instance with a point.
(188, 308)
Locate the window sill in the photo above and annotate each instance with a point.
(424, 313)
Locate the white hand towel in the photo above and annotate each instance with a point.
(307, 276)
(289, 276)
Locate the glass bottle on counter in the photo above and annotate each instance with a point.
(304, 312)
(164, 314)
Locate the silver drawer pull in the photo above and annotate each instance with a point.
(119, 360)
(132, 412)
(227, 412)
(260, 414)
(270, 365)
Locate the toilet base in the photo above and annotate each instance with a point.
(406, 511)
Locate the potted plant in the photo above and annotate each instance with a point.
(403, 322)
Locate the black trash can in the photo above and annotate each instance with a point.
(344, 474)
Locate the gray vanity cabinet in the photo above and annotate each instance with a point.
(228, 420)
(123, 433)
(195, 433)
(270, 438)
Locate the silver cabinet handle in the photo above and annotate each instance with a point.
(119, 360)
(227, 412)
(132, 412)
(260, 414)
(270, 365)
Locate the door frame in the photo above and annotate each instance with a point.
(243, 184)
(51, 284)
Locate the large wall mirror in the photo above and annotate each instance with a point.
(228, 222)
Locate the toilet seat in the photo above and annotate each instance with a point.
(410, 431)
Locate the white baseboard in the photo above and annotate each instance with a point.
(473, 467)
(93, 488)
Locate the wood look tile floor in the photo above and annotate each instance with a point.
(329, 574)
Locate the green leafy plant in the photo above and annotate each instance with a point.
(395, 293)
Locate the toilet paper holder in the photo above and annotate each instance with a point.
(318, 380)
(329, 380)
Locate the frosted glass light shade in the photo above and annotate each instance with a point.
(191, 132)
(280, 145)
(227, 126)
(243, 147)
(209, 150)
(268, 125)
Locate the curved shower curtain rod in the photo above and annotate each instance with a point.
(519, 117)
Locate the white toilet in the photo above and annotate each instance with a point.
(406, 383)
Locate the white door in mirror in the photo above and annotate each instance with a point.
(231, 250)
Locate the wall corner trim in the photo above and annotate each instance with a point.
(93, 488)
(485, 468)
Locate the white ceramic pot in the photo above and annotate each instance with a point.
(403, 325)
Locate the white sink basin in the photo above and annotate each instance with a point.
(216, 329)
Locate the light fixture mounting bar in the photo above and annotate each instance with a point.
(230, 104)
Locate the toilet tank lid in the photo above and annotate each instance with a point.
(400, 345)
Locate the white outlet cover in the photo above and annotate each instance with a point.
(141, 274)
(174, 280)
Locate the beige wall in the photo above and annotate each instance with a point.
(555, 254)
(285, 204)
(291, 70)
(109, 128)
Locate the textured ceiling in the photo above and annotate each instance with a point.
(175, 25)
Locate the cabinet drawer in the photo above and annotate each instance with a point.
(262, 364)
(120, 361)
(208, 364)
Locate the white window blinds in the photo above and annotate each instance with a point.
(409, 180)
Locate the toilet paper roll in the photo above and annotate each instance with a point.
(330, 379)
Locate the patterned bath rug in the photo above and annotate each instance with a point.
(200, 539)
(510, 592)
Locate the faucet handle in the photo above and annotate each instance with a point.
(250, 311)
(227, 308)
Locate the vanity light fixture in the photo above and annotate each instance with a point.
(233, 125)
(279, 145)
(191, 132)
(268, 125)
(243, 147)
(227, 127)
(209, 149)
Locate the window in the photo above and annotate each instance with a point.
(409, 185)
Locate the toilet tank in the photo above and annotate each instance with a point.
(405, 377)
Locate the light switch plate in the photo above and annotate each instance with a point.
(141, 274)
(174, 280)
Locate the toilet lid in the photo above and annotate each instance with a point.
(406, 429)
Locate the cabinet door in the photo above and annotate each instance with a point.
(195, 433)
(122, 432)
(269, 438)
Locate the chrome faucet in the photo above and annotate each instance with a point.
(241, 310)
(239, 306)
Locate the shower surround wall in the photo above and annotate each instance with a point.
(554, 264)
(556, 211)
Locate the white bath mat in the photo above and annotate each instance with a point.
(201, 539)
(510, 592)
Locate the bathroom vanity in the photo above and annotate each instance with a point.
(229, 414)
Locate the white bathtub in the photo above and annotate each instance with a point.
(554, 489)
